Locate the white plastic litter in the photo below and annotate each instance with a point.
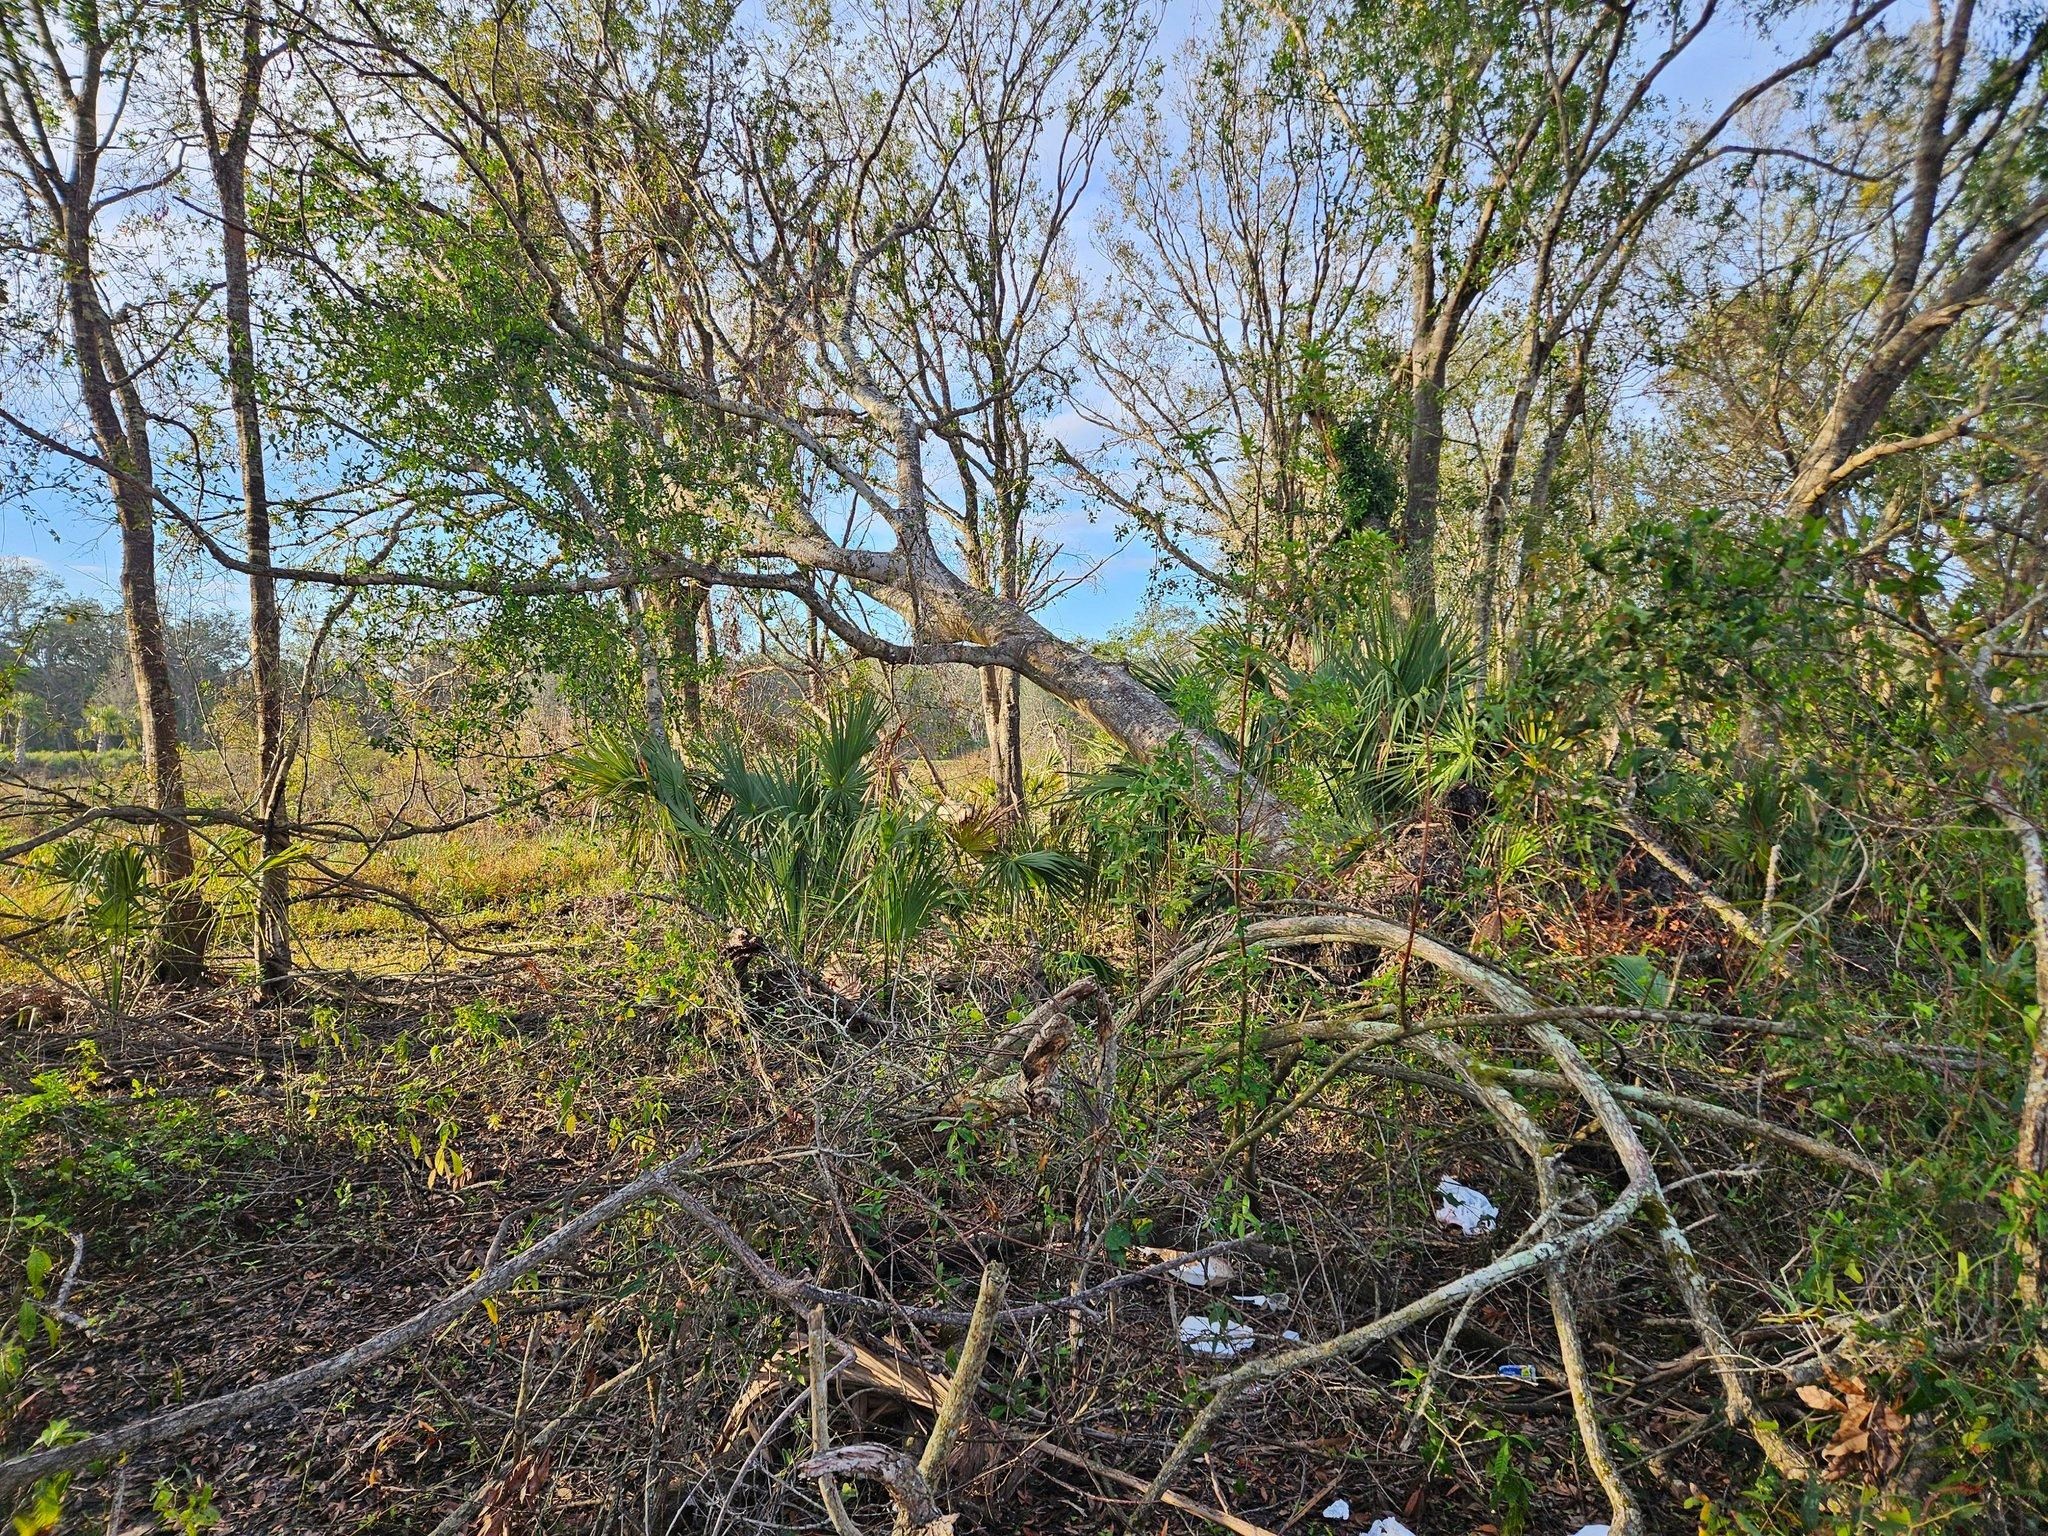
(1273, 1303)
(1218, 1341)
(1200, 1273)
(1464, 1207)
(1338, 1509)
(1388, 1526)
(1290, 1334)
(1590, 1530)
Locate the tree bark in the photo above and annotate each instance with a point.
(1002, 717)
(1493, 524)
(950, 619)
(120, 429)
(1422, 483)
(229, 160)
(690, 611)
(2030, 1157)
(653, 694)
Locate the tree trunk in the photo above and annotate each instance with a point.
(1422, 487)
(1002, 716)
(121, 432)
(1500, 492)
(942, 607)
(273, 939)
(1521, 604)
(686, 620)
(707, 615)
(21, 735)
(653, 695)
(2030, 1184)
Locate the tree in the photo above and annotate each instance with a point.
(72, 70)
(26, 594)
(1006, 126)
(75, 647)
(743, 296)
(226, 139)
(1234, 343)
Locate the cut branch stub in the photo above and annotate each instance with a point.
(916, 1514)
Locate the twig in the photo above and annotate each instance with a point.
(1286, 1107)
(60, 1306)
(803, 1294)
(457, 1519)
(178, 1423)
(1169, 1498)
(1732, 916)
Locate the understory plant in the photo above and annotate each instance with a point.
(805, 847)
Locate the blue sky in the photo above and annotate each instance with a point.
(73, 537)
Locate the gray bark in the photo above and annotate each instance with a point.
(120, 429)
(227, 154)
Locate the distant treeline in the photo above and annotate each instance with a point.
(68, 683)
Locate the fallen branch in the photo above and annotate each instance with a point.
(655, 1183)
(1713, 1114)
(953, 1407)
(1022, 1038)
(803, 1294)
(1554, 1189)
(1227, 1389)
(821, 1427)
(1510, 997)
(1732, 917)
(179, 1423)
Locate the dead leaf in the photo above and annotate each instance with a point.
(524, 1484)
(1870, 1438)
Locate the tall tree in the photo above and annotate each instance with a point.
(70, 71)
(1008, 125)
(1234, 341)
(225, 137)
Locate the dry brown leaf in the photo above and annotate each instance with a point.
(522, 1486)
(1869, 1440)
